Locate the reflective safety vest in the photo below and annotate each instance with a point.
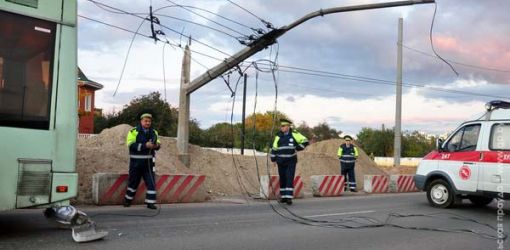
(285, 146)
(347, 154)
(136, 140)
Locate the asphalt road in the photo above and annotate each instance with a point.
(239, 224)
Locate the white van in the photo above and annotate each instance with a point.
(473, 162)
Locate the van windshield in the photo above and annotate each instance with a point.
(465, 139)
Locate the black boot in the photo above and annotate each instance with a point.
(151, 206)
(289, 201)
(283, 200)
(127, 203)
(354, 190)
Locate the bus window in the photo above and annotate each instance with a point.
(26, 61)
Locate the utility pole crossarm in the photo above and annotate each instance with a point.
(270, 38)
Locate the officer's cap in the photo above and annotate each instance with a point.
(348, 138)
(146, 115)
(285, 122)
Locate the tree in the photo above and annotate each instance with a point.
(323, 132)
(380, 142)
(165, 116)
(260, 127)
(415, 144)
(222, 135)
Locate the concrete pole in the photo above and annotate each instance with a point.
(183, 119)
(398, 106)
(243, 124)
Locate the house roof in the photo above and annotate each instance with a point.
(82, 78)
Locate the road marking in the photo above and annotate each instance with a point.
(346, 213)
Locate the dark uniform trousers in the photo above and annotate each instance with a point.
(286, 171)
(138, 169)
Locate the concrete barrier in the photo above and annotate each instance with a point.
(402, 183)
(327, 185)
(271, 189)
(109, 189)
(376, 184)
(404, 161)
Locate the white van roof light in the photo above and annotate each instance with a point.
(497, 104)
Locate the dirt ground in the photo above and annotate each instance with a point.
(227, 175)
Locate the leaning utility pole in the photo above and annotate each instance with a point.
(270, 38)
(398, 106)
(183, 119)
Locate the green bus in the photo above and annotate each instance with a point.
(38, 103)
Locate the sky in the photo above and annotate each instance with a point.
(340, 68)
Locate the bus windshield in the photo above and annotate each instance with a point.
(26, 60)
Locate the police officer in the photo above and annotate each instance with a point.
(142, 142)
(283, 152)
(348, 153)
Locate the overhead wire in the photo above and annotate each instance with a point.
(457, 62)
(432, 41)
(268, 24)
(317, 72)
(314, 72)
(164, 26)
(206, 18)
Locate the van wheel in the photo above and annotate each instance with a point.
(480, 201)
(440, 194)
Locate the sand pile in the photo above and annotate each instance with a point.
(107, 153)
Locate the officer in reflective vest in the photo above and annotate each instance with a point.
(348, 153)
(142, 142)
(284, 153)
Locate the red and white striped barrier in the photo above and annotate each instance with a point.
(327, 185)
(109, 189)
(271, 190)
(402, 183)
(376, 184)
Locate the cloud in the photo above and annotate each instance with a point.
(354, 45)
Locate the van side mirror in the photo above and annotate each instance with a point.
(439, 144)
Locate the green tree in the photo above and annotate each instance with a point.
(379, 142)
(165, 116)
(415, 144)
(220, 135)
(323, 132)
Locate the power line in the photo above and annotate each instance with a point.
(166, 27)
(320, 73)
(199, 24)
(456, 62)
(103, 6)
(268, 24)
(114, 26)
(206, 18)
(432, 41)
